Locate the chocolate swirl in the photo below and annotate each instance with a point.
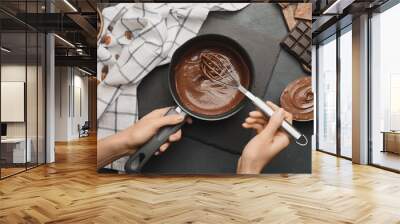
(298, 99)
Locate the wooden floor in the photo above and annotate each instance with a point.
(5, 172)
(8, 171)
(70, 191)
(387, 159)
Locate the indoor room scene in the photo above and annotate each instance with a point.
(48, 84)
(334, 79)
(241, 165)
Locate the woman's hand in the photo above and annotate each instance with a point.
(139, 133)
(129, 140)
(268, 142)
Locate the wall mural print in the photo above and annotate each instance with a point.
(204, 88)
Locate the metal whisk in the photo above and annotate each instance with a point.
(218, 68)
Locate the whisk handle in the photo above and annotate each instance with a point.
(137, 160)
(267, 110)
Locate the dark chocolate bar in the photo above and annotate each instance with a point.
(298, 43)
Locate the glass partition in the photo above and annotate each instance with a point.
(22, 88)
(14, 145)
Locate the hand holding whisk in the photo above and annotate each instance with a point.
(218, 68)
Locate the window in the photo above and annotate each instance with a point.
(346, 95)
(333, 106)
(327, 95)
(385, 89)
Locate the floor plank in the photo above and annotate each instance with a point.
(70, 191)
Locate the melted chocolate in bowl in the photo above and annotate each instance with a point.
(203, 96)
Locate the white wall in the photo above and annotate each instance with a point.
(61, 103)
(15, 72)
(12, 101)
(69, 82)
(80, 102)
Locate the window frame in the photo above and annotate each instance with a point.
(381, 9)
(336, 35)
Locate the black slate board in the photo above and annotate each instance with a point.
(294, 159)
(214, 147)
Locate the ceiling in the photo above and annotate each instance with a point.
(16, 43)
(331, 15)
(74, 21)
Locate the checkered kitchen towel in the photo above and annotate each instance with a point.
(140, 37)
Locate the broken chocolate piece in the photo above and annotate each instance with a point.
(298, 99)
(303, 11)
(288, 14)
